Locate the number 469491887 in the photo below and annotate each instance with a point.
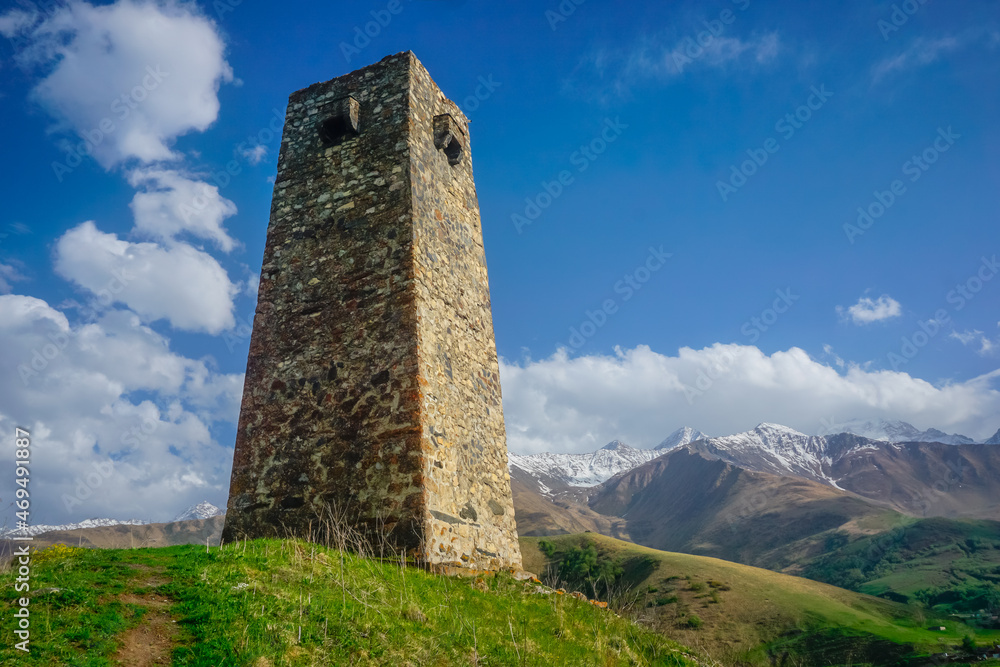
(22, 455)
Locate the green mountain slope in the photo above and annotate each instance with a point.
(950, 565)
(750, 616)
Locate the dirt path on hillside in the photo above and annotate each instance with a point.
(151, 642)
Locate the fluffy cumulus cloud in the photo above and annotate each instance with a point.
(121, 426)
(179, 283)
(127, 78)
(868, 310)
(565, 404)
(171, 203)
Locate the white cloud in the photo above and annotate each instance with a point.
(868, 310)
(111, 394)
(8, 275)
(920, 52)
(975, 337)
(182, 284)
(564, 404)
(252, 285)
(828, 350)
(254, 154)
(923, 51)
(129, 77)
(722, 51)
(665, 58)
(16, 21)
(171, 203)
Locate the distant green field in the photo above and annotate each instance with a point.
(752, 616)
(282, 602)
(951, 566)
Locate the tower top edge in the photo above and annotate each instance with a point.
(412, 63)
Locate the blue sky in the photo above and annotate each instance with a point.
(739, 138)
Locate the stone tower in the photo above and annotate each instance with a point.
(372, 383)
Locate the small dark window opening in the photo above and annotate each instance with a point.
(342, 122)
(453, 149)
(448, 137)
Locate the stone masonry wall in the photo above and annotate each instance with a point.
(330, 411)
(471, 514)
(372, 381)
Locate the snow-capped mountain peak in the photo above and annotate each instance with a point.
(86, 523)
(993, 439)
(768, 447)
(616, 445)
(777, 429)
(588, 469)
(896, 430)
(772, 448)
(679, 438)
(592, 468)
(203, 510)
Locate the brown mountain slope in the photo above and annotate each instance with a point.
(127, 537)
(689, 502)
(926, 479)
(923, 479)
(539, 516)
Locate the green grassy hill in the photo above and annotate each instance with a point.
(741, 615)
(282, 602)
(950, 565)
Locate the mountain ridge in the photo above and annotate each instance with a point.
(896, 430)
(551, 473)
(768, 447)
